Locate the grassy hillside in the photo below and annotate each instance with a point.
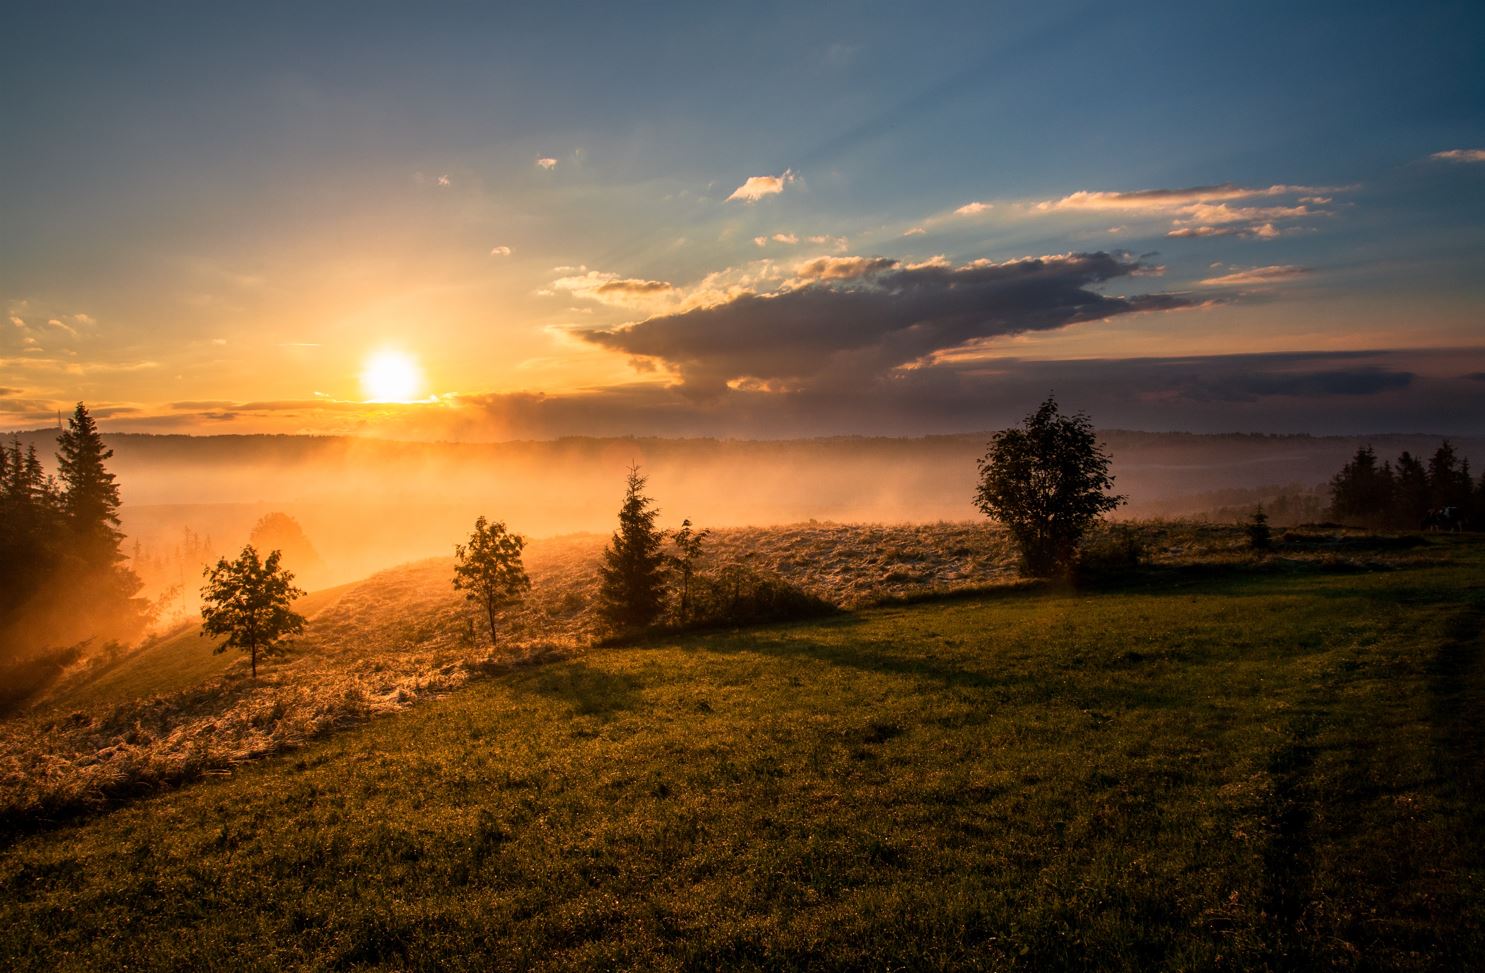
(1205, 767)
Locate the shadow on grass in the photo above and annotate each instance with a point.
(590, 691)
(851, 651)
(1457, 696)
(1248, 579)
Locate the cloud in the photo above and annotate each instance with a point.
(1257, 275)
(610, 288)
(792, 239)
(843, 268)
(632, 285)
(501, 251)
(915, 231)
(444, 180)
(858, 318)
(972, 209)
(1460, 155)
(1206, 211)
(759, 186)
(1261, 231)
(547, 163)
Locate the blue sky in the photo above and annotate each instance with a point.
(213, 217)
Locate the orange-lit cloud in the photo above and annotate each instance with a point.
(972, 209)
(1460, 155)
(1255, 276)
(758, 187)
(1206, 211)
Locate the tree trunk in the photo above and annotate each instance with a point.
(253, 650)
(490, 611)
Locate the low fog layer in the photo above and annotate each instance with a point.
(366, 504)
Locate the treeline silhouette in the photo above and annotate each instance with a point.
(62, 577)
(1408, 494)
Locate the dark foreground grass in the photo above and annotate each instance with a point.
(1277, 770)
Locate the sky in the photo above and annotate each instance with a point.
(489, 221)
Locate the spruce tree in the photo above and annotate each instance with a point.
(631, 593)
(90, 500)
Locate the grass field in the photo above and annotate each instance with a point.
(1242, 765)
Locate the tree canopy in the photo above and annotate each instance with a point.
(250, 601)
(62, 580)
(489, 569)
(1045, 480)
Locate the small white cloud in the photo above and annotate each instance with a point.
(915, 231)
(759, 186)
(761, 241)
(972, 209)
(219, 341)
(547, 163)
(1116, 230)
(1460, 155)
(785, 238)
(500, 251)
(444, 180)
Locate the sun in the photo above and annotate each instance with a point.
(391, 376)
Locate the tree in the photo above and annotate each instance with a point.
(489, 570)
(1362, 492)
(1046, 482)
(1449, 484)
(631, 590)
(279, 531)
(1410, 496)
(1260, 537)
(249, 601)
(90, 499)
(688, 543)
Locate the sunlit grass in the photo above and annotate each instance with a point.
(1196, 769)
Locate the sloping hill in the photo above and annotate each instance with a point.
(1249, 766)
(174, 710)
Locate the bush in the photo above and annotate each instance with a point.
(738, 595)
(1112, 551)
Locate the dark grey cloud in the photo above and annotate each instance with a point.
(855, 318)
(1250, 386)
(1316, 392)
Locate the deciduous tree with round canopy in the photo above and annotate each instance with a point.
(249, 600)
(489, 569)
(1046, 481)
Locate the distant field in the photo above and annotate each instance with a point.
(1208, 765)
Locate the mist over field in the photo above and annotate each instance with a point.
(366, 504)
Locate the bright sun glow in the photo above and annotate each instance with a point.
(391, 376)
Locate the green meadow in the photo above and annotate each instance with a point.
(1250, 765)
